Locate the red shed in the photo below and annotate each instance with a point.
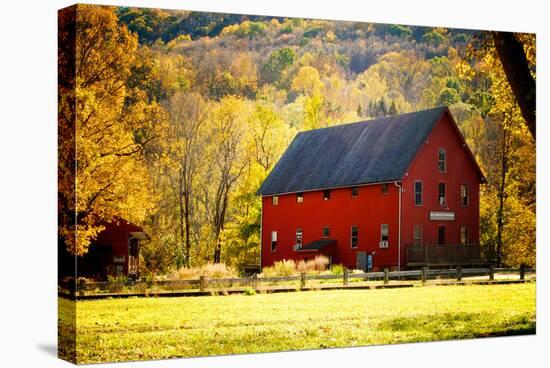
(115, 252)
(396, 192)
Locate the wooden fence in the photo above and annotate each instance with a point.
(204, 286)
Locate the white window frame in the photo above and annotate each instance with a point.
(439, 160)
(356, 237)
(444, 204)
(274, 240)
(300, 238)
(328, 232)
(384, 228)
(275, 200)
(421, 193)
(467, 186)
(300, 197)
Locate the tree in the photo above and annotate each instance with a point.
(509, 150)
(226, 163)
(278, 61)
(516, 66)
(270, 136)
(114, 124)
(307, 81)
(188, 114)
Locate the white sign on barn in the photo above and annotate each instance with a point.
(442, 216)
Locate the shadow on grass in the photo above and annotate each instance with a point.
(446, 326)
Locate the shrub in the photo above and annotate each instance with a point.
(301, 266)
(320, 263)
(217, 271)
(337, 269)
(209, 270)
(119, 279)
(286, 267)
(248, 291)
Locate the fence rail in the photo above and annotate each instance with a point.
(240, 284)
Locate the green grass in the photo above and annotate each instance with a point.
(152, 328)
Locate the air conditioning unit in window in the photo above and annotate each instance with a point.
(297, 246)
(383, 244)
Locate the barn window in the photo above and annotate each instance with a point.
(326, 194)
(275, 200)
(299, 197)
(417, 236)
(463, 235)
(441, 195)
(299, 237)
(384, 188)
(273, 241)
(354, 236)
(355, 192)
(384, 232)
(326, 232)
(464, 195)
(418, 193)
(442, 161)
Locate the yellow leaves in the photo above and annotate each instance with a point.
(374, 86)
(244, 70)
(173, 72)
(464, 70)
(307, 81)
(113, 125)
(330, 37)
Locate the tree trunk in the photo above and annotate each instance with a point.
(187, 230)
(220, 222)
(514, 62)
(182, 220)
(501, 197)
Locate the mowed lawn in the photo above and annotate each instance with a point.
(150, 328)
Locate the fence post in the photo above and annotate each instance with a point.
(424, 274)
(346, 276)
(203, 283)
(302, 280)
(255, 280)
(522, 271)
(386, 275)
(492, 273)
(459, 273)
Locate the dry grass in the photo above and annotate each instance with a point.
(288, 267)
(209, 270)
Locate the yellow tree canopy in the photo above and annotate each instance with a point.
(113, 125)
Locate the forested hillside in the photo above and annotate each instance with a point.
(181, 115)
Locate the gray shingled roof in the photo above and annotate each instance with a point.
(372, 151)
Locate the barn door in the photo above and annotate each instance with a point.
(361, 263)
(441, 235)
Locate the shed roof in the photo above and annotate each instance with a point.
(378, 150)
(317, 245)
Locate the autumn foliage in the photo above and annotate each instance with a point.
(172, 119)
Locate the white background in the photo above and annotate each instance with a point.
(28, 308)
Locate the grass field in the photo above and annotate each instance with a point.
(152, 328)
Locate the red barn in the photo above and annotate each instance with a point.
(396, 192)
(115, 252)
